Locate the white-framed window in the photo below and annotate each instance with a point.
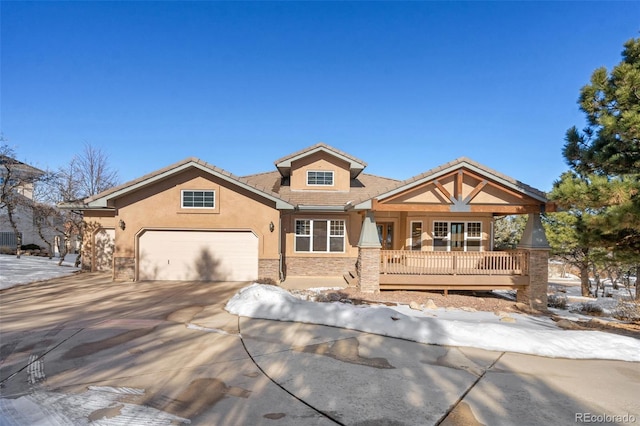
(416, 235)
(473, 238)
(323, 178)
(441, 236)
(320, 235)
(198, 199)
(462, 236)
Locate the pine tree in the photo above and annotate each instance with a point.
(573, 233)
(605, 156)
(610, 144)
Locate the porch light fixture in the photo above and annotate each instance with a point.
(271, 226)
(121, 224)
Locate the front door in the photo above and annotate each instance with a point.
(385, 233)
(457, 236)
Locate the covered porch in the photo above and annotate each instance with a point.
(435, 232)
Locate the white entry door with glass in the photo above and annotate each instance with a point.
(457, 236)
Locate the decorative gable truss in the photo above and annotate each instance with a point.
(462, 187)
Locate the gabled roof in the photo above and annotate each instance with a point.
(445, 169)
(19, 167)
(364, 186)
(356, 166)
(103, 200)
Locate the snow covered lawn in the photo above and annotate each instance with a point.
(522, 333)
(28, 269)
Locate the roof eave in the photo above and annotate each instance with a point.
(320, 208)
(107, 199)
(464, 163)
(355, 167)
(365, 205)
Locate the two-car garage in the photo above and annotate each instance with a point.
(195, 255)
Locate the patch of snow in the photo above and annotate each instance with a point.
(28, 269)
(44, 408)
(191, 326)
(484, 330)
(572, 292)
(120, 390)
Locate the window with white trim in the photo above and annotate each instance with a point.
(192, 199)
(416, 235)
(473, 238)
(440, 236)
(319, 178)
(469, 233)
(319, 235)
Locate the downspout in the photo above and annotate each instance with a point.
(280, 266)
(492, 236)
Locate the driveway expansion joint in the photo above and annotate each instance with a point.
(38, 359)
(464, 395)
(317, 410)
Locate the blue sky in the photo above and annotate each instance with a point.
(404, 86)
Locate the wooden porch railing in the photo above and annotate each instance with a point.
(409, 262)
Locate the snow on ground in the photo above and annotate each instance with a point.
(28, 269)
(50, 408)
(533, 335)
(571, 292)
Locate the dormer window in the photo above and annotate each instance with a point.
(320, 178)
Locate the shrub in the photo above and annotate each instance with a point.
(589, 309)
(558, 302)
(267, 281)
(30, 247)
(627, 311)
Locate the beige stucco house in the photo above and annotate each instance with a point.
(318, 214)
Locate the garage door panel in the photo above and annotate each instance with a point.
(198, 256)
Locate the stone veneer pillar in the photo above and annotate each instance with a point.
(369, 256)
(535, 242)
(536, 294)
(124, 269)
(269, 269)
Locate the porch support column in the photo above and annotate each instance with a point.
(534, 240)
(369, 256)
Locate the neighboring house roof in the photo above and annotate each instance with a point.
(103, 199)
(365, 186)
(452, 166)
(19, 166)
(356, 166)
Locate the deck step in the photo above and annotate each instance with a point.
(351, 278)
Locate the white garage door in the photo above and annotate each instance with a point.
(198, 256)
(103, 249)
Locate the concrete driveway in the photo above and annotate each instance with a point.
(83, 349)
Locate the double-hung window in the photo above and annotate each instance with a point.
(440, 236)
(320, 178)
(198, 199)
(319, 235)
(474, 236)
